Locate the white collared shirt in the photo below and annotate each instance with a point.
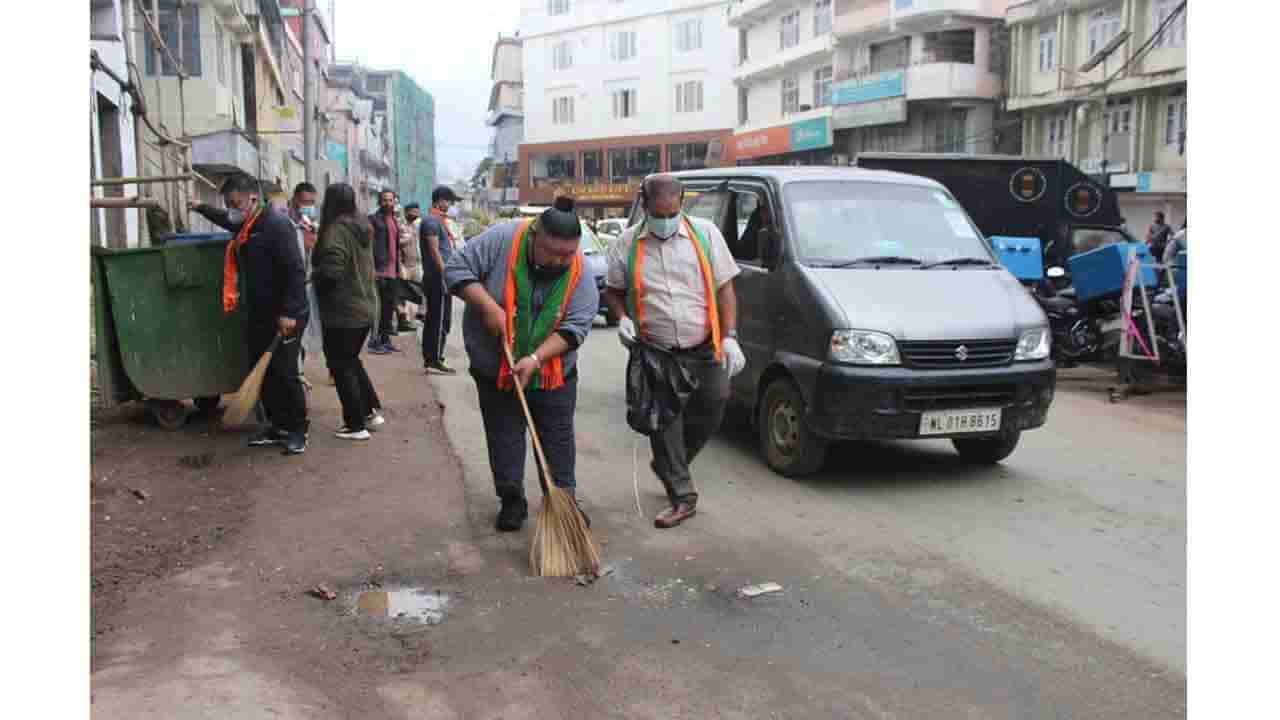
(675, 303)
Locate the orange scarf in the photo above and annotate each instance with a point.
(526, 332)
(636, 296)
(230, 274)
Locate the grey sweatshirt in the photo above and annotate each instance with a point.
(484, 259)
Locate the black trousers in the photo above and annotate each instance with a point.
(439, 317)
(342, 348)
(388, 298)
(504, 431)
(676, 446)
(283, 396)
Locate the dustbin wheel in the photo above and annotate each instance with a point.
(207, 405)
(169, 414)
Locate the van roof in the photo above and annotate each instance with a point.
(784, 174)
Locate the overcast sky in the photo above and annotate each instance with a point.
(446, 47)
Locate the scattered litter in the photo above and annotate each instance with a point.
(675, 641)
(588, 578)
(710, 587)
(751, 591)
(323, 592)
(196, 461)
(141, 494)
(689, 557)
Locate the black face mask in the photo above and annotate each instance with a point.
(543, 273)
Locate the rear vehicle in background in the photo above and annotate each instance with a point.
(870, 307)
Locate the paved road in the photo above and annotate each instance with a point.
(1075, 547)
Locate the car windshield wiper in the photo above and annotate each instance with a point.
(956, 262)
(877, 260)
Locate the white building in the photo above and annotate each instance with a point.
(616, 90)
(113, 141)
(1100, 84)
(506, 117)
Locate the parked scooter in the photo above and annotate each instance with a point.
(1076, 337)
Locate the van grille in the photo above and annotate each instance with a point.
(957, 354)
(955, 397)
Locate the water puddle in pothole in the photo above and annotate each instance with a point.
(412, 604)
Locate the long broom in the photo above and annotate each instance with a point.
(562, 542)
(241, 406)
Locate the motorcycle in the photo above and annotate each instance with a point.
(1076, 336)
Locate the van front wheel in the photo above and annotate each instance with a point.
(986, 451)
(789, 446)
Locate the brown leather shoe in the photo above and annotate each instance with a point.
(673, 516)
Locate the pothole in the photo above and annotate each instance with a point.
(412, 604)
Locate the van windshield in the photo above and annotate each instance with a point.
(840, 222)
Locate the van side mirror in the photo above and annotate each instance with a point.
(767, 243)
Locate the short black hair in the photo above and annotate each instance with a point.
(387, 191)
(239, 182)
(444, 192)
(411, 206)
(561, 219)
(304, 187)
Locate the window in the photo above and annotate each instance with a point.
(562, 111)
(622, 46)
(1048, 48)
(743, 100)
(1175, 122)
(156, 60)
(592, 166)
(1056, 136)
(1175, 34)
(821, 17)
(562, 55)
(220, 39)
(945, 130)
(689, 35)
(687, 156)
(376, 83)
(557, 7)
(743, 54)
(790, 95)
(624, 103)
(1119, 117)
(890, 55)
(822, 86)
(746, 247)
(633, 164)
(949, 46)
(689, 96)
(551, 168)
(1104, 24)
(789, 30)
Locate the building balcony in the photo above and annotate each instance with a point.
(223, 153)
(502, 196)
(749, 12)
(942, 81)
(496, 115)
(917, 15)
(811, 50)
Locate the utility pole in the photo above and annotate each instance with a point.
(308, 90)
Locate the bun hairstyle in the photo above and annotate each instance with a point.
(561, 219)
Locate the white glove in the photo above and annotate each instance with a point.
(626, 332)
(734, 360)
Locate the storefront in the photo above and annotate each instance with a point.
(604, 175)
(806, 142)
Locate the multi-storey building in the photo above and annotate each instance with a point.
(112, 133)
(921, 76)
(617, 90)
(783, 80)
(1103, 84)
(506, 117)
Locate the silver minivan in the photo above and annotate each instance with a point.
(870, 307)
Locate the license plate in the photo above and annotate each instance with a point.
(951, 422)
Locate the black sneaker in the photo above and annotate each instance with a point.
(512, 515)
(266, 438)
(295, 443)
(440, 367)
(406, 326)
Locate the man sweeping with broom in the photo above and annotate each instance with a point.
(525, 283)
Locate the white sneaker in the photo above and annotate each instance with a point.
(345, 433)
(375, 421)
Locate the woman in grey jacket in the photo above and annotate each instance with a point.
(342, 273)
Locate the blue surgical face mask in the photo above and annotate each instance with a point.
(663, 228)
(308, 211)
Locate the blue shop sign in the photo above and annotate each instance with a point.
(877, 87)
(811, 134)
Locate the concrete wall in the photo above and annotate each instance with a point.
(118, 228)
(652, 73)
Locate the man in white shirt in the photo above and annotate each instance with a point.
(670, 279)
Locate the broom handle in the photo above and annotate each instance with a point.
(544, 473)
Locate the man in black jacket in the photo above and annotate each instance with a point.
(275, 301)
(386, 265)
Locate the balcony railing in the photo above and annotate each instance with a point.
(224, 152)
(777, 62)
(937, 81)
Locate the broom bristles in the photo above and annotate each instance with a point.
(562, 542)
(242, 404)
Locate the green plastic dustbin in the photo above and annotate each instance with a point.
(161, 333)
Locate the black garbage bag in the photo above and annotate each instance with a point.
(658, 386)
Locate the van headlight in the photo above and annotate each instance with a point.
(863, 347)
(1033, 345)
